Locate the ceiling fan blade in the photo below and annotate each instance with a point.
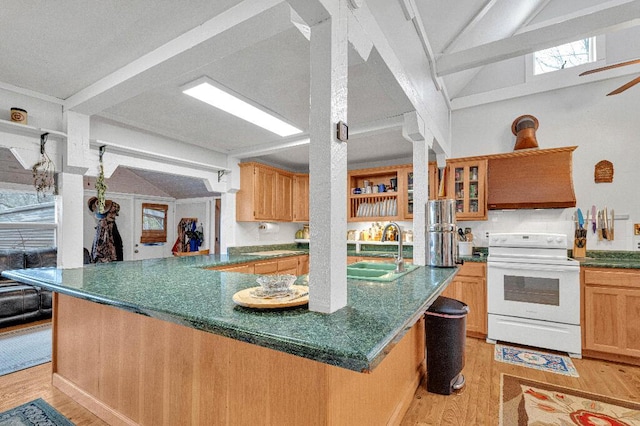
(625, 86)
(610, 67)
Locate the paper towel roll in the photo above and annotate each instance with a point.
(268, 228)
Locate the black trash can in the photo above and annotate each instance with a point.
(446, 325)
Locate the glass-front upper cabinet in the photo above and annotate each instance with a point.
(407, 182)
(467, 185)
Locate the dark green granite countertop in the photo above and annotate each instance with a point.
(181, 291)
(611, 259)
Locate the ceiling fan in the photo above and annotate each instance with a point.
(609, 67)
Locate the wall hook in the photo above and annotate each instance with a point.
(101, 151)
(43, 141)
(220, 174)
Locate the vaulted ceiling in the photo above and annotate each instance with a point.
(125, 62)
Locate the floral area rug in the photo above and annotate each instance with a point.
(534, 359)
(34, 413)
(527, 402)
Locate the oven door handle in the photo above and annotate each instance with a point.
(536, 267)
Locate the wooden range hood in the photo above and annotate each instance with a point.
(531, 179)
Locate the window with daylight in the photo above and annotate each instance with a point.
(154, 223)
(26, 220)
(565, 56)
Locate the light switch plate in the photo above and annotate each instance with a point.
(342, 131)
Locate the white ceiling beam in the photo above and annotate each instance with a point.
(30, 93)
(533, 15)
(127, 82)
(560, 81)
(587, 25)
(470, 25)
(527, 26)
(313, 12)
(412, 14)
(368, 129)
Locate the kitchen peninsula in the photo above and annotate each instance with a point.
(161, 342)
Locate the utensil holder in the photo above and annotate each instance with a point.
(465, 248)
(580, 243)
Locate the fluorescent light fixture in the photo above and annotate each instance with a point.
(231, 103)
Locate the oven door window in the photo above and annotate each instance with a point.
(542, 291)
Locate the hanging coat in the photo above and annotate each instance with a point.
(107, 243)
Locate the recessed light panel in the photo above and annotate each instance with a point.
(221, 99)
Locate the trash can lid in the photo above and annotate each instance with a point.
(448, 306)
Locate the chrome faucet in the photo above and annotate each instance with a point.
(399, 260)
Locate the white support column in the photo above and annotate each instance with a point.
(328, 163)
(77, 151)
(414, 131)
(69, 216)
(70, 204)
(228, 222)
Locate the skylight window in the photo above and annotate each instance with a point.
(215, 96)
(565, 56)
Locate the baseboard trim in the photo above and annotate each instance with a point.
(404, 404)
(624, 359)
(88, 401)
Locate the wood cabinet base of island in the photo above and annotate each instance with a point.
(130, 369)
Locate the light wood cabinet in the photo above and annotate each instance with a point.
(467, 185)
(375, 206)
(244, 268)
(265, 194)
(610, 312)
(469, 286)
(284, 197)
(294, 265)
(300, 198)
(394, 204)
(303, 264)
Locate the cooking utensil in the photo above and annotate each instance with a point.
(605, 224)
(599, 225)
(461, 234)
(613, 220)
(586, 221)
(580, 219)
(593, 218)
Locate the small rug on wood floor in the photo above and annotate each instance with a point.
(534, 359)
(33, 413)
(24, 348)
(527, 402)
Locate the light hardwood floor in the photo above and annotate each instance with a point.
(476, 404)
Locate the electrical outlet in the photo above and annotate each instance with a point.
(486, 235)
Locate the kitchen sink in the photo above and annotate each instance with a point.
(376, 271)
(374, 265)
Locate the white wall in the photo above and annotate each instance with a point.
(249, 234)
(41, 113)
(603, 128)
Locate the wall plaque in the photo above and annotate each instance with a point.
(603, 172)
